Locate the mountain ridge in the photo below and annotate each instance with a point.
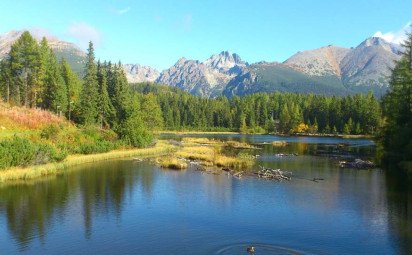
(326, 70)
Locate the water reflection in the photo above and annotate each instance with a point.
(399, 196)
(32, 209)
(349, 212)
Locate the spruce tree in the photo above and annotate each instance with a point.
(89, 96)
(397, 106)
(55, 90)
(23, 57)
(73, 86)
(106, 109)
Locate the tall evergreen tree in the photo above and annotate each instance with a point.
(397, 106)
(105, 106)
(89, 96)
(23, 57)
(55, 90)
(73, 86)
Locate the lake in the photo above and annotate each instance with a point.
(129, 207)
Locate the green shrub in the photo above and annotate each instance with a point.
(22, 152)
(50, 132)
(134, 133)
(99, 146)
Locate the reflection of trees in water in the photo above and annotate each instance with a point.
(399, 195)
(31, 209)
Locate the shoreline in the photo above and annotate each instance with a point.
(275, 134)
(38, 171)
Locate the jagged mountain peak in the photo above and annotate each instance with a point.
(380, 42)
(224, 60)
(140, 73)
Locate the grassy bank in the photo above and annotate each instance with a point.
(196, 132)
(277, 134)
(32, 172)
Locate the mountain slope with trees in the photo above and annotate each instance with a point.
(329, 70)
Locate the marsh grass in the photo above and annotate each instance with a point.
(279, 143)
(172, 163)
(239, 145)
(209, 152)
(203, 153)
(32, 172)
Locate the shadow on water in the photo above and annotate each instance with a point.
(399, 196)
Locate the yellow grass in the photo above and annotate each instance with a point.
(172, 163)
(189, 140)
(233, 162)
(239, 145)
(195, 132)
(279, 143)
(209, 152)
(32, 172)
(204, 153)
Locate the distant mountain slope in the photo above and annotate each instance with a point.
(73, 54)
(328, 70)
(138, 73)
(369, 64)
(208, 78)
(319, 62)
(270, 77)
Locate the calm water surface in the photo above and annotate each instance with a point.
(127, 207)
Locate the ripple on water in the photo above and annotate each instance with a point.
(260, 249)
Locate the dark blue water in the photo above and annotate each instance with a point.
(127, 207)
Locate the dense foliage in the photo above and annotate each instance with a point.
(397, 107)
(31, 76)
(276, 112)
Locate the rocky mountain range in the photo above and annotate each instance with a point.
(330, 70)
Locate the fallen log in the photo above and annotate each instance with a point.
(357, 163)
(273, 174)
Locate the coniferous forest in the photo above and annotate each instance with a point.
(32, 76)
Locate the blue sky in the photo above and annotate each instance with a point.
(159, 32)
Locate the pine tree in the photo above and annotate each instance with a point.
(73, 86)
(397, 139)
(89, 96)
(23, 59)
(105, 106)
(152, 113)
(55, 90)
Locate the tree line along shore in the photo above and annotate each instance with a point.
(47, 111)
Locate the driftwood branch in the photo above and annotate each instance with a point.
(273, 174)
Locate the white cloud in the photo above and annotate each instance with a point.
(395, 36)
(122, 11)
(186, 23)
(83, 33)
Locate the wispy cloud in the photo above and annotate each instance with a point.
(122, 11)
(83, 33)
(395, 36)
(187, 22)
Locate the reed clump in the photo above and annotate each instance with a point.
(208, 153)
(172, 163)
(279, 143)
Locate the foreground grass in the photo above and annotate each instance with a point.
(32, 172)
